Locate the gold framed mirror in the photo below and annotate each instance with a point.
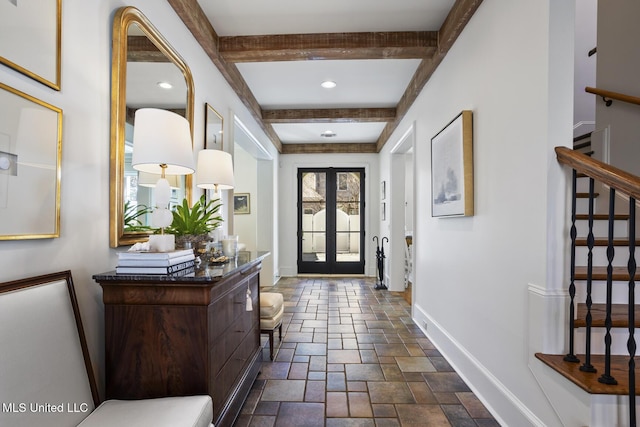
(142, 60)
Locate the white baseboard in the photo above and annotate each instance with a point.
(505, 407)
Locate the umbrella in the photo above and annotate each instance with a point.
(380, 262)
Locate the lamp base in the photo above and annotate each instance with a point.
(162, 242)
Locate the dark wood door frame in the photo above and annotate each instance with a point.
(331, 265)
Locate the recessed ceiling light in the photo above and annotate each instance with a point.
(328, 84)
(328, 134)
(165, 85)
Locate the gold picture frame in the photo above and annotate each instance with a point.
(30, 151)
(452, 168)
(31, 39)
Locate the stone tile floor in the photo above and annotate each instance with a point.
(352, 356)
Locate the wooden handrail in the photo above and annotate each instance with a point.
(613, 95)
(622, 181)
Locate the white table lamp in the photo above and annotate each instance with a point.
(162, 145)
(215, 170)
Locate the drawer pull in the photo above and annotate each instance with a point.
(240, 332)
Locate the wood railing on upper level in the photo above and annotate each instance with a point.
(608, 95)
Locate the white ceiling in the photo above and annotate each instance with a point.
(297, 133)
(143, 90)
(259, 17)
(373, 83)
(296, 84)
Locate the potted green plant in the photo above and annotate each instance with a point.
(194, 224)
(132, 215)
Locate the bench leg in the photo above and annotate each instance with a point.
(271, 343)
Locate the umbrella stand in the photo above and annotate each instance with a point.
(380, 263)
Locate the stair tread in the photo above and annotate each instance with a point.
(585, 195)
(603, 241)
(582, 137)
(600, 273)
(603, 217)
(589, 381)
(619, 315)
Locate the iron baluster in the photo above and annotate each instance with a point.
(587, 366)
(606, 377)
(631, 342)
(571, 357)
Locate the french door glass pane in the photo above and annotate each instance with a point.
(348, 216)
(314, 217)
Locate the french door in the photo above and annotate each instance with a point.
(331, 220)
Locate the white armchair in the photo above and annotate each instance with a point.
(46, 378)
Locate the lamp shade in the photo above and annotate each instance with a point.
(161, 137)
(215, 170)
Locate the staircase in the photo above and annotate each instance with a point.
(601, 326)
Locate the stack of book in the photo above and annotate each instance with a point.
(174, 262)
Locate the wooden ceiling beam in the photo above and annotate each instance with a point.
(224, 51)
(456, 20)
(141, 49)
(331, 148)
(329, 115)
(196, 21)
(300, 47)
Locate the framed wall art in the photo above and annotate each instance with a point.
(452, 168)
(241, 203)
(213, 130)
(30, 150)
(31, 38)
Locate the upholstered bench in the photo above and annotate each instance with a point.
(46, 378)
(271, 309)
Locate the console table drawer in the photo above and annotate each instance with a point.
(233, 368)
(227, 343)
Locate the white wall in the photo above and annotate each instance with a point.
(513, 67)
(584, 112)
(618, 70)
(83, 246)
(287, 201)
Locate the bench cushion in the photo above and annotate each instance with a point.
(272, 322)
(270, 304)
(189, 411)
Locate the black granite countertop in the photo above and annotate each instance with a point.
(203, 273)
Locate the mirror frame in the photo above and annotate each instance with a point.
(211, 118)
(123, 18)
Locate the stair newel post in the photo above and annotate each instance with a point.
(606, 377)
(571, 357)
(587, 366)
(631, 342)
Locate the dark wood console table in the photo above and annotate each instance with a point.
(175, 336)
